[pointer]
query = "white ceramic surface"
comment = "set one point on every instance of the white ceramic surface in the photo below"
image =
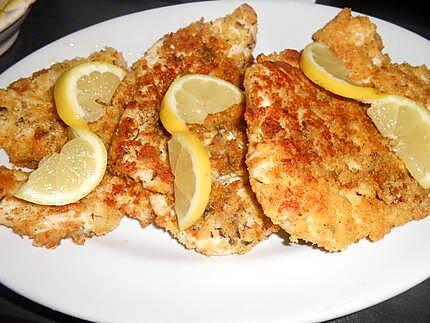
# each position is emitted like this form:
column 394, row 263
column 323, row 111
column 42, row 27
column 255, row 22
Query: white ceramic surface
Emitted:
column 135, row 275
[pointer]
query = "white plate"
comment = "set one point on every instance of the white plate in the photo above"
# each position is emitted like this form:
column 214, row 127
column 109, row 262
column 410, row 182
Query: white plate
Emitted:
column 133, row 275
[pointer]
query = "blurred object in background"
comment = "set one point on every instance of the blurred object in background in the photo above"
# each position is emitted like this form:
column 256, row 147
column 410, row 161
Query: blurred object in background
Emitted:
column 12, row 14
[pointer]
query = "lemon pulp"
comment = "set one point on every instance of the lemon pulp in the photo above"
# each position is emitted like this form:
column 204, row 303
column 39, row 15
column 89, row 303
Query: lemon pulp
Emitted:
column 192, row 97
column 190, row 165
column 81, row 92
column 407, row 124
column 322, row 67
column 66, row 177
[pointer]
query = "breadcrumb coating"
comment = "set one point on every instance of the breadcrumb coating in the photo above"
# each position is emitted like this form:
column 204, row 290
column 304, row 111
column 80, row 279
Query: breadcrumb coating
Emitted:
column 356, row 42
column 96, row 214
column 318, row 166
column 28, row 114
column 220, row 48
column 233, row 221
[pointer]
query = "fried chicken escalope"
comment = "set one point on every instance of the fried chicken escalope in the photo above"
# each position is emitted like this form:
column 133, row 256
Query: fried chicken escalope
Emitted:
column 233, row 222
column 319, row 167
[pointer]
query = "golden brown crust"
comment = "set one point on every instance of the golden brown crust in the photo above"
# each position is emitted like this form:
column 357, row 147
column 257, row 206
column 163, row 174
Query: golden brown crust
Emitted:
column 356, row 42
column 221, row 48
column 98, row 213
column 28, row 114
column 318, row 166
column 412, row 82
column 233, row 221
column 10, row 180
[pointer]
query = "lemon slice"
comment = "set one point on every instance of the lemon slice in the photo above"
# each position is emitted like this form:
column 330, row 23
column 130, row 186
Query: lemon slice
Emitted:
column 191, row 98
column 68, row 176
column 190, row 165
column 407, row 124
column 81, row 92
column 322, row 67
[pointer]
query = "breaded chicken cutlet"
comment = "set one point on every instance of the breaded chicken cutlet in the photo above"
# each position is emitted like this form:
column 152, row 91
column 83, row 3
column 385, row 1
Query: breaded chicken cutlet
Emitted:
column 318, row 166
column 29, row 117
column 28, row 114
column 96, row 214
column 220, row 48
column 355, row 41
column 233, row 221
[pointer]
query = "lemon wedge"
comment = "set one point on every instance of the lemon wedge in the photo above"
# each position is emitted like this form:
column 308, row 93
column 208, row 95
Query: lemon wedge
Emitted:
column 192, row 97
column 81, row 92
column 68, row 176
column 407, row 124
column 322, row 67
column 190, row 165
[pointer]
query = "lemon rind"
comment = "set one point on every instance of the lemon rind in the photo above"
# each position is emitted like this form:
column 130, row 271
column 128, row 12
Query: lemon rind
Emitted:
column 26, row 192
column 169, row 116
column 320, row 76
column 68, row 107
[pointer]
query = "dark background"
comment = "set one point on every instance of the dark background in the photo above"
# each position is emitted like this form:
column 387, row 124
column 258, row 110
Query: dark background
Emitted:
column 52, row 19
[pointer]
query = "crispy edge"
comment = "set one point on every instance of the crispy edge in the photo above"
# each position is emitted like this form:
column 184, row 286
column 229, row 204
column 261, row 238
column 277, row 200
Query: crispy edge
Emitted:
column 139, row 149
column 28, row 114
column 96, row 214
column 330, row 208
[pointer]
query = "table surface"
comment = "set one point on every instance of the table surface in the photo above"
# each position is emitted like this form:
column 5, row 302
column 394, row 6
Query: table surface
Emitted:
column 42, row 27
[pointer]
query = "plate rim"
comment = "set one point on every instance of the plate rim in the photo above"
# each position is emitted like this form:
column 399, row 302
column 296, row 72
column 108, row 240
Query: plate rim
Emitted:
column 10, row 69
